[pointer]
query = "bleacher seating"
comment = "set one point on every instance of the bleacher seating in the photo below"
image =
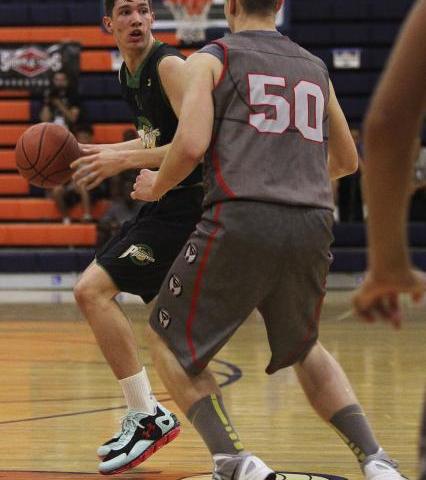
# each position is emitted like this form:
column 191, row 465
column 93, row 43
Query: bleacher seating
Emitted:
column 369, row 25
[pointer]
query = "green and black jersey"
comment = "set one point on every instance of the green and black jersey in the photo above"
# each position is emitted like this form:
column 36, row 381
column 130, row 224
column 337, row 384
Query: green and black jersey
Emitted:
column 155, row 121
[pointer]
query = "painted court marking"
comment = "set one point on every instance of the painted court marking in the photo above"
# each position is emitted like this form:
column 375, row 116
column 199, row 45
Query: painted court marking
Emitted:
column 146, row 475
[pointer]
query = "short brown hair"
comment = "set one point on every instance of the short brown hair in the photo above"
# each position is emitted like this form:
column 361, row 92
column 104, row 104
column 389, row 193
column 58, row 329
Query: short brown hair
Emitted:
column 260, row 7
column 109, row 5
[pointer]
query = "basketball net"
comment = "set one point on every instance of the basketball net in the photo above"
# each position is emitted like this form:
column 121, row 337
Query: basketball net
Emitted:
column 191, row 19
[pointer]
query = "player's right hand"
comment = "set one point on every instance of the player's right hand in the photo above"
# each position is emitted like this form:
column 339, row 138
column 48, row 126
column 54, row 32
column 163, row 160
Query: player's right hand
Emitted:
column 95, row 166
column 380, row 298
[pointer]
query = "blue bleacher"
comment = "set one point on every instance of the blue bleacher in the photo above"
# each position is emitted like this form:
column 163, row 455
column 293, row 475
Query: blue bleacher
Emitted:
column 95, row 111
column 50, row 12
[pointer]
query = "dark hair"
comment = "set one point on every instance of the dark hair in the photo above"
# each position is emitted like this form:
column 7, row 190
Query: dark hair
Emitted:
column 109, row 5
column 261, row 7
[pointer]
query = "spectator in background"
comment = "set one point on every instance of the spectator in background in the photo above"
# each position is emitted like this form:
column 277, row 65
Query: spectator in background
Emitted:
column 61, row 104
column 68, row 195
column 122, row 206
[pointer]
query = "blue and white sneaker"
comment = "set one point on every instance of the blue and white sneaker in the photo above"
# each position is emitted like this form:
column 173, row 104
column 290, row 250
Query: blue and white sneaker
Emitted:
column 141, row 436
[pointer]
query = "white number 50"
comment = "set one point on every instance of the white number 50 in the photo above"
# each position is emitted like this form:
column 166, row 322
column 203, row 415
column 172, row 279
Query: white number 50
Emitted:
column 310, row 127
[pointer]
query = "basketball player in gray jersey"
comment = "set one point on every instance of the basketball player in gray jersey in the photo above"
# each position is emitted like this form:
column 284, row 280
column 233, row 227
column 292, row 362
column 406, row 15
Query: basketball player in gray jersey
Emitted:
column 261, row 109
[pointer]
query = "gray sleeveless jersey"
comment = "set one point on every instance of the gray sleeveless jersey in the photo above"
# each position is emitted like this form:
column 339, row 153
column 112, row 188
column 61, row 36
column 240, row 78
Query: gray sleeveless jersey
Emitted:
column 270, row 132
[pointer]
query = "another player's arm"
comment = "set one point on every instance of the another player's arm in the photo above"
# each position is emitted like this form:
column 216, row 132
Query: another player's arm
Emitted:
column 103, row 161
column 342, row 153
column 193, row 134
column 392, row 123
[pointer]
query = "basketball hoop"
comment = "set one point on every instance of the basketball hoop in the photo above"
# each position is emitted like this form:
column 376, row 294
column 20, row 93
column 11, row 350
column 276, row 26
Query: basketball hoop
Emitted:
column 191, row 19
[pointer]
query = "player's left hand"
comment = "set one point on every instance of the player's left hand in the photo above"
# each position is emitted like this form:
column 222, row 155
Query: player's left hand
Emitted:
column 379, row 298
column 143, row 186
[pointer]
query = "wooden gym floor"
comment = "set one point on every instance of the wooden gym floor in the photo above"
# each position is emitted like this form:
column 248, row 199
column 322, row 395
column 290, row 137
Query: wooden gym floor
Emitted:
column 59, row 400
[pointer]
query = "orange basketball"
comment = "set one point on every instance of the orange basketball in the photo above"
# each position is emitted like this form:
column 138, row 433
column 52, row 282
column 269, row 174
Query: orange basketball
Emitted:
column 44, row 153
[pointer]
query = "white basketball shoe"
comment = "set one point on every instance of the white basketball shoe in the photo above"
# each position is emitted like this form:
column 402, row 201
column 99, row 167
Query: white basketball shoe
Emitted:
column 381, row 467
column 240, row 467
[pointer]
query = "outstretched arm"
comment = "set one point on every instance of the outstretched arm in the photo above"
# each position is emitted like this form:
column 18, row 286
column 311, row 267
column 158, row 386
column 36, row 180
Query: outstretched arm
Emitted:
column 392, row 123
column 102, row 161
column 99, row 164
column 193, row 134
column 342, row 153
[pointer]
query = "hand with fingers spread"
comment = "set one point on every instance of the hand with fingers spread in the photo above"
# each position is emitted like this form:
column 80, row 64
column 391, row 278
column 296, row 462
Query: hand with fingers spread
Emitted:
column 378, row 297
column 97, row 164
column 143, row 189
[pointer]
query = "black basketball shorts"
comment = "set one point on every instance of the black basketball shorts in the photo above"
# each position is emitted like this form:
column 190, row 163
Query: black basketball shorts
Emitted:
column 139, row 256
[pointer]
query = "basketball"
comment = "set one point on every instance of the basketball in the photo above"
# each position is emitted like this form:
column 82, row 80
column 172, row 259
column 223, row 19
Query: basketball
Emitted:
column 44, row 153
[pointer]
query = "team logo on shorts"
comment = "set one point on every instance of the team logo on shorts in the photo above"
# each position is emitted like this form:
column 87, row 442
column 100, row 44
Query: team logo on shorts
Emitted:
column 139, row 254
column 175, row 285
column 164, row 317
column 191, row 253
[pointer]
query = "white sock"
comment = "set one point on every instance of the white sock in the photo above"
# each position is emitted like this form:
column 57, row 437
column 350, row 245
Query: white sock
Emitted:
column 138, row 393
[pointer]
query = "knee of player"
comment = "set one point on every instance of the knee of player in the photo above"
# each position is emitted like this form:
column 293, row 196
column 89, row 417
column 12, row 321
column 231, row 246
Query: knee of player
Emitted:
column 84, row 291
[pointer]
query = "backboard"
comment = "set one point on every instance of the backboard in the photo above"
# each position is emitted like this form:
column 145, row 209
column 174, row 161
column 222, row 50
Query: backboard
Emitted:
column 216, row 22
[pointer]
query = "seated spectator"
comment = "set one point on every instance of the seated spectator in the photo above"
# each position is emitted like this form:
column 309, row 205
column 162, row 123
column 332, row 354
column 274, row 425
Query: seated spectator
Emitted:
column 68, row 195
column 122, row 206
column 61, row 103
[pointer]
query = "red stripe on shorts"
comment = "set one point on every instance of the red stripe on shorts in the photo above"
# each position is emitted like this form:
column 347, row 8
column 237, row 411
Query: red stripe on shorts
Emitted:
column 218, row 172
column 197, row 288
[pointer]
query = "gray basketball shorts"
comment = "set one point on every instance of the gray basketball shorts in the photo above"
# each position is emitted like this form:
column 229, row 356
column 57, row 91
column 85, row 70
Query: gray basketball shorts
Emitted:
column 245, row 255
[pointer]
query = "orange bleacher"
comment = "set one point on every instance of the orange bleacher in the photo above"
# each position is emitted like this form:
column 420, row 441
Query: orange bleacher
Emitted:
column 42, row 235
column 13, row 184
column 92, row 36
column 43, row 209
column 7, row 159
column 104, row 132
column 16, row 207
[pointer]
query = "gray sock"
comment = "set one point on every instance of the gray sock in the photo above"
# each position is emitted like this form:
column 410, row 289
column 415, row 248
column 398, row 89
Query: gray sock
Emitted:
column 211, row 421
column 352, row 425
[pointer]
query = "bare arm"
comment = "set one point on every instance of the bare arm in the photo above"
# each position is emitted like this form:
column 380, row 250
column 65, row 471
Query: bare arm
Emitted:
column 342, row 153
column 103, row 161
column 392, row 124
column 94, row 168
column 171, row 70
column 193, row 134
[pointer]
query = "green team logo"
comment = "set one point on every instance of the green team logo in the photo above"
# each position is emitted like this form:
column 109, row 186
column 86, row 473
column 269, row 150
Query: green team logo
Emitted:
column 143, row 123
column 147, row 133
column 139, row 254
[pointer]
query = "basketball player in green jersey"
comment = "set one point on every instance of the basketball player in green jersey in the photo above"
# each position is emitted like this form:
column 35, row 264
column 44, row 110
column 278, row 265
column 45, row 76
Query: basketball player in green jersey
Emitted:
column 137, row 259
column 391, row 127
